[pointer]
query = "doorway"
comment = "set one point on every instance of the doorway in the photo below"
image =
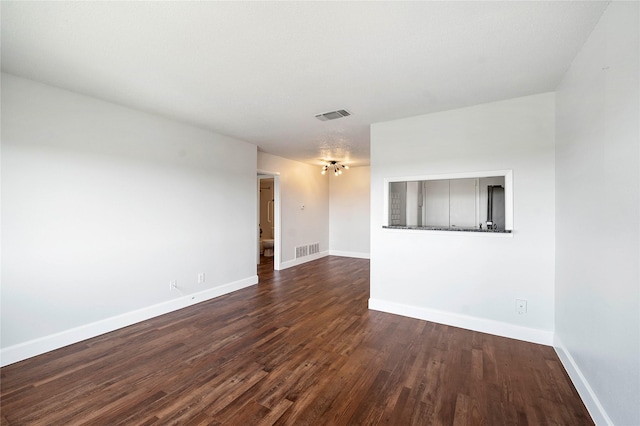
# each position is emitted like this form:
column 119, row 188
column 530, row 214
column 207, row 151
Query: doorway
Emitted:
column 268, row 243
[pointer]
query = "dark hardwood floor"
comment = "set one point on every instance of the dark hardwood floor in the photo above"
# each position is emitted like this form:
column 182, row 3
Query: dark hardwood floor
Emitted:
column 300, row 348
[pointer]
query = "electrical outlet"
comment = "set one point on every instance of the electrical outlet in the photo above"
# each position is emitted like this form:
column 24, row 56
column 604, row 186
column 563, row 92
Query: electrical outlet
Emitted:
column 200, row 277
column 521, row 306
column 173, row 285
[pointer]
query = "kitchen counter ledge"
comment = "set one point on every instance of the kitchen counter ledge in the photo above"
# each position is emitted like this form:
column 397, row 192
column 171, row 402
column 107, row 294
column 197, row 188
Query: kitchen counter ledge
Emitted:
column 452, row 229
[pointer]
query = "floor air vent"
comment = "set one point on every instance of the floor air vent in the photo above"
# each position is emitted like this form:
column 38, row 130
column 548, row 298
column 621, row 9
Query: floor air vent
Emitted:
column 314, row 248
column 301, row 251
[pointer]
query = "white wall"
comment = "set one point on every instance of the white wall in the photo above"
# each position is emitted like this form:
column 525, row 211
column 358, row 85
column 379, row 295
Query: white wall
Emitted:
column 597, row 218
column 300, row 185
column 349, row 215
column 102, row 206
column 470, row 279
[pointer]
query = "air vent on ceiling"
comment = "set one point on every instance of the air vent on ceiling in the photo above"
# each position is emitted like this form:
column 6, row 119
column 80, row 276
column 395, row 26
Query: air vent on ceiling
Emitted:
column 332, row 115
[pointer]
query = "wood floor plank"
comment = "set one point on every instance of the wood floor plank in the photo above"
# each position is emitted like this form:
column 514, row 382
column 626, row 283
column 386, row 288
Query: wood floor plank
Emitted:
column 299, row 348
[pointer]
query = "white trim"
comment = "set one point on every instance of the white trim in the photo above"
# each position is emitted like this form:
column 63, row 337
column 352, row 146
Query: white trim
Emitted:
column 44, row 344
column 483, row 325
column 267, row 172
column 277, row 218
column 349, row 254
column 304, row 259
column 258, row 207
column 589, row 398
column 277, row 214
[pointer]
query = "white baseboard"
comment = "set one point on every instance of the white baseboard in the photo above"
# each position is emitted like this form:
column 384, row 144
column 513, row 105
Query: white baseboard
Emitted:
column 41, row 345
column 483, row 325
column 355, row 254
column 304, row 259
column 589, row 398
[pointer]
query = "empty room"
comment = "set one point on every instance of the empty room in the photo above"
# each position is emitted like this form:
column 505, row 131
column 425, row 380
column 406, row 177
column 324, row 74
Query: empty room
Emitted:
column 333, row 212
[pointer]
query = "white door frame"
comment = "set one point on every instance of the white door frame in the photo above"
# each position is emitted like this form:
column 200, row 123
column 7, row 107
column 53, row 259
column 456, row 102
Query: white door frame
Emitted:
column 264, row 174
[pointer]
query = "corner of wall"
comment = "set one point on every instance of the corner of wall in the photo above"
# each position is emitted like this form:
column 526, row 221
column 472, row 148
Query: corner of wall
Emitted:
column 483, row 325
column 353, row 254
column 589, row 397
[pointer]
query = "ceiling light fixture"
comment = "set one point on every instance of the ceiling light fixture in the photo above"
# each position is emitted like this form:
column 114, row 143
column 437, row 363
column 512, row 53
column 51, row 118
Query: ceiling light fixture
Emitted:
column 335, row 167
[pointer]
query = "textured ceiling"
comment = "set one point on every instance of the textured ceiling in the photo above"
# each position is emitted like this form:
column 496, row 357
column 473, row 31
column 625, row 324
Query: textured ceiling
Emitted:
column 260, row 71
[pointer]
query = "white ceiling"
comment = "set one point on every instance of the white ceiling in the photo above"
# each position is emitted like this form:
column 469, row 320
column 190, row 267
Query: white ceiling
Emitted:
column 260, row 71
